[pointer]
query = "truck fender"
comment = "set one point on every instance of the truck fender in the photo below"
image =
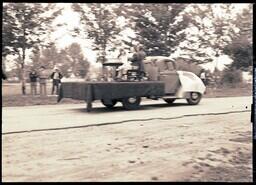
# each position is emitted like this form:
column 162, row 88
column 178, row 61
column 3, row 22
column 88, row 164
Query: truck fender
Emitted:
column 189, row 83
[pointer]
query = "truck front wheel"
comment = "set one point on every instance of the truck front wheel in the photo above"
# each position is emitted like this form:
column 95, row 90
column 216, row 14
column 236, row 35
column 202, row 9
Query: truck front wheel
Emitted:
column 194, row 98
column 131, row 103
column 109, row 103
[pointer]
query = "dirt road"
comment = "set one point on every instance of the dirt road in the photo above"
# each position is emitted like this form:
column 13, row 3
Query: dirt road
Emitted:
column 208, row 142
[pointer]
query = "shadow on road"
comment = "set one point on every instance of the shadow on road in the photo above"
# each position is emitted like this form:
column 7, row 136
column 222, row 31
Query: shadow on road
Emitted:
column 119, row 108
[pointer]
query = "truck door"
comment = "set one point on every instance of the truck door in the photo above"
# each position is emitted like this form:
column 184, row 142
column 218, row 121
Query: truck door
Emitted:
column 168, row 74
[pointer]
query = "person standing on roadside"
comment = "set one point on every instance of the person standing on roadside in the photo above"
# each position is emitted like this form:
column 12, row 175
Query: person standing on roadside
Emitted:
column 203, row 76
column 33, row 81
column 43, row 76
column 56, row 77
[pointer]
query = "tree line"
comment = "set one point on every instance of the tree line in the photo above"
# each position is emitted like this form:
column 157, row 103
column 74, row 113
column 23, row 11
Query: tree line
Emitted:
column 192, row 31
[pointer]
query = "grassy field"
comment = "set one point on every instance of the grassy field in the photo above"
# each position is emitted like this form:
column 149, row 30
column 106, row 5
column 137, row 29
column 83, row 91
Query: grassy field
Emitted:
column 240, row 90
column 9, row 89
column 11, row 95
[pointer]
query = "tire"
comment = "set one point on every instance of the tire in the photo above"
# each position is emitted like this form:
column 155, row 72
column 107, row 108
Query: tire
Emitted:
column 169, row 100
column 131, row 103
column 109, row 103
column 194, row 98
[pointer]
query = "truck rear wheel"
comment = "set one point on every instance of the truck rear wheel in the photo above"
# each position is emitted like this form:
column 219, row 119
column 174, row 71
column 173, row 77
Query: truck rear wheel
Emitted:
column 109, row 103
column 194, row 98
column 131, row 103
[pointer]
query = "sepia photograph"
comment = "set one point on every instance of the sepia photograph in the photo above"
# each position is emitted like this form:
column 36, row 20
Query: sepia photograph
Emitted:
column 127, row 92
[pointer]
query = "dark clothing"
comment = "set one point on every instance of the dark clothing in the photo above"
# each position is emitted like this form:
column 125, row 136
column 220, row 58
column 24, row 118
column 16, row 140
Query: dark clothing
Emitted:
column 59, row 76
column 33, row 76
column 204, row 81
column 141, row 55
column 137, row 60
column 55, row 84
column 33, row 82
column 33, row 86
column 56, row 80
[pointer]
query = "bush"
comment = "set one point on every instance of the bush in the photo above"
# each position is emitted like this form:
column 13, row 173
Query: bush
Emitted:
column 231, row 77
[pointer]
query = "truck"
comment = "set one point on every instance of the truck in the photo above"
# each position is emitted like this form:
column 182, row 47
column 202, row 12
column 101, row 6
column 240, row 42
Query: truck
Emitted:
column 162, row 81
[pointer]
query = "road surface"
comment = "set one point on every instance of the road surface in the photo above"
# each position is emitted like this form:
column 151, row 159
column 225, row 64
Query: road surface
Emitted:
column 19, row 119
column 208, row 142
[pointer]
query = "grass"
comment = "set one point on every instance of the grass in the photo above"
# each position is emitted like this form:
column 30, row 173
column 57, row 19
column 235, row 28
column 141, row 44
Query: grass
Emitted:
column 228, row 91
column 11, row 95
column 27, row 100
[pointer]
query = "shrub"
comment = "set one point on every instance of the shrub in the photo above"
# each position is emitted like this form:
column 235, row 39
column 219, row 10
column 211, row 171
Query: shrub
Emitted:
column 231, row 77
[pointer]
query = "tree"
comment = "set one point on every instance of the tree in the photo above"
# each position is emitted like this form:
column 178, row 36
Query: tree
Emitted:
column 28, row 24
column 231, row 76
column 211, row 28
column 240, row 49
column 64, row 62
column 244, row 22
column 99, row 25
column 241, row 53
column 48, row 57
column 69, row 59
column 8, row 29
column 78, row 63
column 157, row 26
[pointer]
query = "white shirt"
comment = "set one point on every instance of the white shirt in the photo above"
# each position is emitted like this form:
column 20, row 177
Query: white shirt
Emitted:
column 56, row 75
column 202, row 76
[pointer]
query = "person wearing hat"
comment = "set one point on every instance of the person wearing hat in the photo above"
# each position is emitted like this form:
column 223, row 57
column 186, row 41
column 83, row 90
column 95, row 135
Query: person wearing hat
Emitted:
column 56, row 77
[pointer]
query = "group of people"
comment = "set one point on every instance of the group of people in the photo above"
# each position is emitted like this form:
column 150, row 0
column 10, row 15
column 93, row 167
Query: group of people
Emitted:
column 42, row 75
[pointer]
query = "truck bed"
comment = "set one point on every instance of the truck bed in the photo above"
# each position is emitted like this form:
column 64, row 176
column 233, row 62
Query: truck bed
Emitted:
column 90, row 91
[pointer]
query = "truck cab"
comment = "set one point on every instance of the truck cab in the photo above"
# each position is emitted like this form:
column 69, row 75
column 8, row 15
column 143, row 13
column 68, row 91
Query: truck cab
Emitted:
column 178, row 84
column 163, row 69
